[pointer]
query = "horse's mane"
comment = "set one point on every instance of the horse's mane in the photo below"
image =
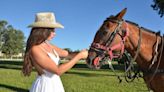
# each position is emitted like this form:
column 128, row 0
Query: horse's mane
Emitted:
column 143, row 28
column 113, row 18
column 132, row 23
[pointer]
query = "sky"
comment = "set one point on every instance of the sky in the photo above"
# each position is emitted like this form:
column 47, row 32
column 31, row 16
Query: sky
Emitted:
column 81, row 18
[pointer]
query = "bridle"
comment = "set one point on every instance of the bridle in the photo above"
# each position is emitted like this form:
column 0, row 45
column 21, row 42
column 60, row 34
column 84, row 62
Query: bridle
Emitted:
column 106, row 49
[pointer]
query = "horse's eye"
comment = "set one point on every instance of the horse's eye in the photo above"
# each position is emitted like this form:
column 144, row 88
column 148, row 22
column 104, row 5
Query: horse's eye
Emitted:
column 108, row 25
column 104, row 32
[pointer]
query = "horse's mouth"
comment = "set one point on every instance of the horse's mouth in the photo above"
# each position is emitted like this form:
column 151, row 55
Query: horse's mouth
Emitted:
column 94, row 63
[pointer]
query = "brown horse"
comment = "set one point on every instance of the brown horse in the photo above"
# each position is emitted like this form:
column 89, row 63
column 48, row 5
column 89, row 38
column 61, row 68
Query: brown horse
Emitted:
column 146, row 47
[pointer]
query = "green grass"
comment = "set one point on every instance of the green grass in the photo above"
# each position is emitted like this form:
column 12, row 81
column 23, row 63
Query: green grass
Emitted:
column 78, row 79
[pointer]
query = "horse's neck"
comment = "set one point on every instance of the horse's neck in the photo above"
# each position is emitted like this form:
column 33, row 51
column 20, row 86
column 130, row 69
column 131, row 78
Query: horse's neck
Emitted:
column 148, row 40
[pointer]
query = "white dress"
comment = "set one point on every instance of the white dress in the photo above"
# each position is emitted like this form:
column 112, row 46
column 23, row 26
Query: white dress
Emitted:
column 48, row 82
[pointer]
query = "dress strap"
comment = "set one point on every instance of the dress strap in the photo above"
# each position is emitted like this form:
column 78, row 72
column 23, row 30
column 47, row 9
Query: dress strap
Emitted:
column 56, row 53
column 53, row 53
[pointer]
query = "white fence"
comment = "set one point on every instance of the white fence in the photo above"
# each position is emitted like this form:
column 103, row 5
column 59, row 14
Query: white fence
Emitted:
column 8, row 59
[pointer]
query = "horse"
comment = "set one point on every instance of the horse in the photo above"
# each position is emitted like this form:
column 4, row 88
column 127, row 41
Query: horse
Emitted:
column 145, row 46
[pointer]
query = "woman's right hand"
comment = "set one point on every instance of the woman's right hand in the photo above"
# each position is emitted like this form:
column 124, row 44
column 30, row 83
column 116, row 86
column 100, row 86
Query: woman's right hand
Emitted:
column 83, row 54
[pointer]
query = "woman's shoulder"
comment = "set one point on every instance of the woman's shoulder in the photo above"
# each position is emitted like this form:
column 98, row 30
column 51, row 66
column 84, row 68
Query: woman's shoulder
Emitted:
column 36, row 50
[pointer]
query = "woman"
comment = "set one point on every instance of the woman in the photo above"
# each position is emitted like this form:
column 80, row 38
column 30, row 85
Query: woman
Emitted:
column 44, row 57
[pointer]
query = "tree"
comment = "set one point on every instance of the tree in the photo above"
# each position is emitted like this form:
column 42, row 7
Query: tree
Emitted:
column 13, row 41
column 77, row 51
column 3, row 25
column 158, row 6
column 68, row 49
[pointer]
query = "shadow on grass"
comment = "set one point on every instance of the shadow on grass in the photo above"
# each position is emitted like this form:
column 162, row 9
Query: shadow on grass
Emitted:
column 116, row 66
column 17, row 65
column 90, row 74
column 16, row 89
column 10, row 67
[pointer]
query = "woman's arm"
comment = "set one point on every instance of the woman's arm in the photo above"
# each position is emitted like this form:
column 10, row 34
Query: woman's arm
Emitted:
column 71, row 55
column 65, row 53
column 61, row 52
column 43, row 60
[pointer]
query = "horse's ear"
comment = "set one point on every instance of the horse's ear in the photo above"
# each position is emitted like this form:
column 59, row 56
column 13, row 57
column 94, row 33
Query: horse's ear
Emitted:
column 121, row 14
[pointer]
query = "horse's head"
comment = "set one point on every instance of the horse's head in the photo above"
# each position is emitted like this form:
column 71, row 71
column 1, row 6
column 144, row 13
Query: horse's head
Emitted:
column 105, row 41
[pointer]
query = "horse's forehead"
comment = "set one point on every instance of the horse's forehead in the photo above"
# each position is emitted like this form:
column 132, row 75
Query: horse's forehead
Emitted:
column 108, row 25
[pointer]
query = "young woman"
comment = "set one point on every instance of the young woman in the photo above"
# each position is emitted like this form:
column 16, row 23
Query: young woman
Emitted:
column 44, row 57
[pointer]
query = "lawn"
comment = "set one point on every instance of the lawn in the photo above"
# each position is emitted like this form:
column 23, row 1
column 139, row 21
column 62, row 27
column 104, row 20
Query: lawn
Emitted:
column 78, row 79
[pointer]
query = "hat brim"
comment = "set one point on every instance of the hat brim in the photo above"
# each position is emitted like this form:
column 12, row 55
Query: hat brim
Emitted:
column 46, row 25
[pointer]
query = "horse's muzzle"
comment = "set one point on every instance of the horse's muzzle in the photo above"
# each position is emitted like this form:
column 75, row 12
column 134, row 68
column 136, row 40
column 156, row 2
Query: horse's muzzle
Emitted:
column 93, row 63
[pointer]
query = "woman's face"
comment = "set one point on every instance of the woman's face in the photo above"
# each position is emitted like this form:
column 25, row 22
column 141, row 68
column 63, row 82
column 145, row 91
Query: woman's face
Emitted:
column 52, row 35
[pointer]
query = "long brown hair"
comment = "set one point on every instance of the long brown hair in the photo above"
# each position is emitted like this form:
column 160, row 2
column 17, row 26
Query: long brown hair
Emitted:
column 36, row 37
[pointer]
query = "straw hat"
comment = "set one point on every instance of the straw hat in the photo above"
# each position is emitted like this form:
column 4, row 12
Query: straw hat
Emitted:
column 46, row 20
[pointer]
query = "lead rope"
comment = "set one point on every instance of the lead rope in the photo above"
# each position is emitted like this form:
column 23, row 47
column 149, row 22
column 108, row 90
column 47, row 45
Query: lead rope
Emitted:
column 138, row 49
column 111, row 67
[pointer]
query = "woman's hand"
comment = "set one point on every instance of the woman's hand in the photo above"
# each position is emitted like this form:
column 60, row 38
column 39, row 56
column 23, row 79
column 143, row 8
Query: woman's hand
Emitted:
column 83, row 54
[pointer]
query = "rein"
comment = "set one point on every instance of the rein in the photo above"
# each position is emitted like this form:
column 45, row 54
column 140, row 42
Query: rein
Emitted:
column 137, row 52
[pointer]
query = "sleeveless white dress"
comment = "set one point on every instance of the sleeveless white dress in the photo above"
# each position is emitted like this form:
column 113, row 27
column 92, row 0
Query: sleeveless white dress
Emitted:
column 48, row 82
